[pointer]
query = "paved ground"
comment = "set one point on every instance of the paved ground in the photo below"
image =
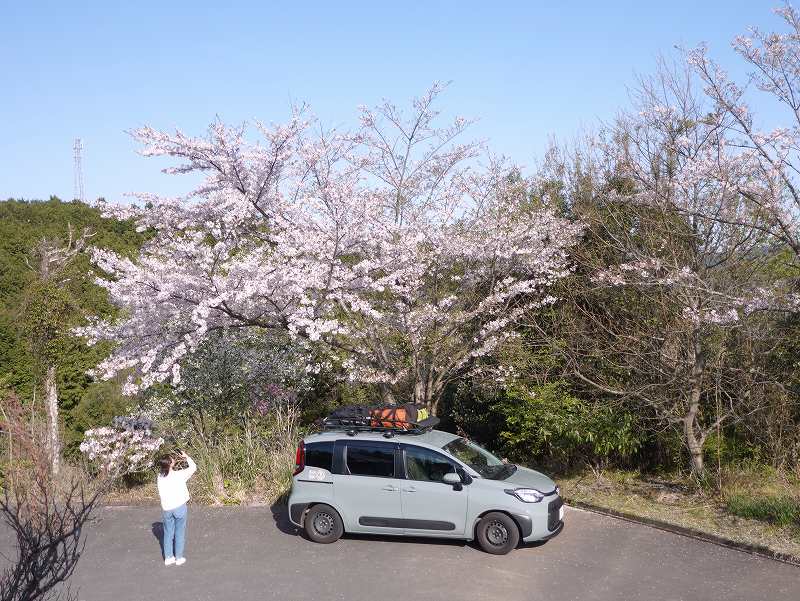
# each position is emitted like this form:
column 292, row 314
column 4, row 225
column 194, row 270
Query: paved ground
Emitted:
column 254, row 554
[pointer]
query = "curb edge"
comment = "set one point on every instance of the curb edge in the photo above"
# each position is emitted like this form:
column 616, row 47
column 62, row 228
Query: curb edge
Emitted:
column 722, row 541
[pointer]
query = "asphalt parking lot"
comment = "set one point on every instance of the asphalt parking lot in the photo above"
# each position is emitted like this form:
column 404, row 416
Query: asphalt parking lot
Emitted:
column 255, row 554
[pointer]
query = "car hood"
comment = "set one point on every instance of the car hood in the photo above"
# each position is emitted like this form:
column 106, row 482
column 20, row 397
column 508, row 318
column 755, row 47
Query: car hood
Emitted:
column 526, row 478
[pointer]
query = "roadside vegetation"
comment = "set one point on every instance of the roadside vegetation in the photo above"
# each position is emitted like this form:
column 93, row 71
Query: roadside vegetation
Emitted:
column 752, row 505
column 626, row 318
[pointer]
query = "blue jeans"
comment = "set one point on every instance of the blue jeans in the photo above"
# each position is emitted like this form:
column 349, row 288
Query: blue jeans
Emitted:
column 175, row 527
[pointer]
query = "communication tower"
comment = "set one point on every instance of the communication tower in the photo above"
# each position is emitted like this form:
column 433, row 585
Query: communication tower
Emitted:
column 78, row 193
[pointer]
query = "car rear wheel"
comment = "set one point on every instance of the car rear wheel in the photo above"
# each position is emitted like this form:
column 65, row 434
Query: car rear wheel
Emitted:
column 323, row 524
column 497, row 533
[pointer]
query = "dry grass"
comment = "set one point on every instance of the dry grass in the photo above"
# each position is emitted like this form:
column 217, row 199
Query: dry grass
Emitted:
column 682, row 502
column 247, row 466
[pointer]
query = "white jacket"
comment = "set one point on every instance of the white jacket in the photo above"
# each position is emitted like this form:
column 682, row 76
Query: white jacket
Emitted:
column 172, row 487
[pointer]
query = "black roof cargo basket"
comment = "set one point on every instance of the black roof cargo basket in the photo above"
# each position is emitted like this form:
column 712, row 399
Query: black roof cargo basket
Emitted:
column 389, row 427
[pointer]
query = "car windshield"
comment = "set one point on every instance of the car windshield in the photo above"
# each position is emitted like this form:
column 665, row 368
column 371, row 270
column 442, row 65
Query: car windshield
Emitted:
column 479, row 459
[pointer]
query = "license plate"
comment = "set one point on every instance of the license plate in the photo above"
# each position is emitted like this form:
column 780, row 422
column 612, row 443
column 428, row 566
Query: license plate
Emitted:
column 560, row 513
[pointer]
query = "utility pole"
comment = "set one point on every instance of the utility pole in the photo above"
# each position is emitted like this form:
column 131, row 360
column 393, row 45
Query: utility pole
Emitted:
column 78, row 192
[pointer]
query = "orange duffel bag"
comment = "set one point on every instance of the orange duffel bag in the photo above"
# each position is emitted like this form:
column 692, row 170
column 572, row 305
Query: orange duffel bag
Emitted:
column 403, row 417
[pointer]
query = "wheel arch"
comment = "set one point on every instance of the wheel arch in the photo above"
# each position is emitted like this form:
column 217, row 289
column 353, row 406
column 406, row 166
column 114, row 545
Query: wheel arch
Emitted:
column 309, row 505
column 523, row 523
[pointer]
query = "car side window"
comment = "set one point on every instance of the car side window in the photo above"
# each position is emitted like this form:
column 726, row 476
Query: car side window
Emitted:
column 427, row 466
column 371, row 460
column 320, row 454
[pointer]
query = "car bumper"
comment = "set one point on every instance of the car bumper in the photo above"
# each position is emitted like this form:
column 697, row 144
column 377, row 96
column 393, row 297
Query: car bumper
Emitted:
column 555, row 532
column 546, row 520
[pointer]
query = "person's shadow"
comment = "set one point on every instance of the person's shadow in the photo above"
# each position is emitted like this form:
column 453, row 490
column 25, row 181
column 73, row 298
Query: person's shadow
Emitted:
column 158, row 531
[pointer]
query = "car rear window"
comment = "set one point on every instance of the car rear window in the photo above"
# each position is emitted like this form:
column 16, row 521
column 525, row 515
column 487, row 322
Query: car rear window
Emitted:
column 320, row 454
column 371, row 460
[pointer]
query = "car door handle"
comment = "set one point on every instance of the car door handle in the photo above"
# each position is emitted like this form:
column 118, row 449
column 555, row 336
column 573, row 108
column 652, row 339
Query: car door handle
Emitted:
column 410, row 489
column 390, row 488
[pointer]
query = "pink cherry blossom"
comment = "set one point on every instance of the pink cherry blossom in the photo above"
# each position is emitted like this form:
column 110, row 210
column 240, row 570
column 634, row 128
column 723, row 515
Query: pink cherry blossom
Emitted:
column 396, row 247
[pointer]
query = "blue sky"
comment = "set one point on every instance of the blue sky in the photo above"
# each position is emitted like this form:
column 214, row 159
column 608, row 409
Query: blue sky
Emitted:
column 526, row 70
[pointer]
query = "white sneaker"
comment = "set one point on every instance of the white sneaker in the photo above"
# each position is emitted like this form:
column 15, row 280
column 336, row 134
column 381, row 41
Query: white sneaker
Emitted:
column 169, row 561
column 180, row 561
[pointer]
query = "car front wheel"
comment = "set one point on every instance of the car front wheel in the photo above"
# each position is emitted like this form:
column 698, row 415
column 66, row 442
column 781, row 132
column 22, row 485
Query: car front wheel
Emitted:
column 323, row 524
column 497, row 533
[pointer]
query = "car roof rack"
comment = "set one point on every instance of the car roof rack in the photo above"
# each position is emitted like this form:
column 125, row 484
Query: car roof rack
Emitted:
column 353, row 425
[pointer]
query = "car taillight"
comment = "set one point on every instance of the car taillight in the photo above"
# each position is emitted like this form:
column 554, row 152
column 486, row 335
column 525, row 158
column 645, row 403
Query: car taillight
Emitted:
column 300, row 458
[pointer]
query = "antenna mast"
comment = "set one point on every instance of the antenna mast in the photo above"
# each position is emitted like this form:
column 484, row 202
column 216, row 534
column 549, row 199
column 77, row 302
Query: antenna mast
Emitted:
column 78, row 192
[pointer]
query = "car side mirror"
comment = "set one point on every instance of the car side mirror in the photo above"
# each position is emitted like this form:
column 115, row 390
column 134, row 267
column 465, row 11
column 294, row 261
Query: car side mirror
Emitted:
column 453, row 480
column 465, row 477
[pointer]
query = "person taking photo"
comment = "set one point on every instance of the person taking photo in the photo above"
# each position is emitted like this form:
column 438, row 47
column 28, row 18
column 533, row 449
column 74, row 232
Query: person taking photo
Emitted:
column 174, row 495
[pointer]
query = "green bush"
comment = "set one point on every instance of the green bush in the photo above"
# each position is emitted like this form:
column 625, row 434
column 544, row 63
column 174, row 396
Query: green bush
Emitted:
column 98, row 405
column 733, row 449
column 468, row 407
column 548, row 422
column 779, row 510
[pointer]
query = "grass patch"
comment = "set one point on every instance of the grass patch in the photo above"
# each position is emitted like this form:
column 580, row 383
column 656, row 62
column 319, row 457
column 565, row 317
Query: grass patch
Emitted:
column 752, row 506
column 782, row 511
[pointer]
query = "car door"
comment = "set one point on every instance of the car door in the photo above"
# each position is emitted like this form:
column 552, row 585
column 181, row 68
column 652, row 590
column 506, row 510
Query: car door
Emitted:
column 367, row 490
column 431, row 507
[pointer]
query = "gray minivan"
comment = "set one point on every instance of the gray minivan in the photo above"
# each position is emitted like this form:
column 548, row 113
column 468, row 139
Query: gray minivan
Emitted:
column 430, row 483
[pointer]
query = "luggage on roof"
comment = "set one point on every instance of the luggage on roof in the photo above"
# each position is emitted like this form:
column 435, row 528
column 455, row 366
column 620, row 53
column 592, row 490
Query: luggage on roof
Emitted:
column 407, row 418
column 400, row 416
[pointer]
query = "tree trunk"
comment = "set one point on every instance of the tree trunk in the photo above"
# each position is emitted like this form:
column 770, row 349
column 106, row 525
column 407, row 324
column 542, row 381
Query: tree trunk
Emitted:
column 694, row 439
column 51, row 403
column 431, row 401
column 695, row 444
column 387, row 397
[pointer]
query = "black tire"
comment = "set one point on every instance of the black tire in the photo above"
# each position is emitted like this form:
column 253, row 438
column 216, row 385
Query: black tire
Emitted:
column 497, row 533
column 323, row 524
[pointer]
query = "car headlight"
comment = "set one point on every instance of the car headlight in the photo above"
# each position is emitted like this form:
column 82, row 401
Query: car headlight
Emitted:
column 526, row 495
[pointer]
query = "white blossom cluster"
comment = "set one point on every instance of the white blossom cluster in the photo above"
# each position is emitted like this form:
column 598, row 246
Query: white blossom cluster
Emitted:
column 118, row 450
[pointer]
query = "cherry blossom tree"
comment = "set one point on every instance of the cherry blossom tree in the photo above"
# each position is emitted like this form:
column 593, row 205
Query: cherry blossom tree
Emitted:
column 403, row 252
column 762, row 164
column 676, row 267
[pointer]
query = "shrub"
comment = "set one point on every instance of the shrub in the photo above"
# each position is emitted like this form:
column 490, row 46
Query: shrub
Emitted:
column 252, row 458
column 547, row 421
column 98, row 405
column 732, row 449
column 779, row 510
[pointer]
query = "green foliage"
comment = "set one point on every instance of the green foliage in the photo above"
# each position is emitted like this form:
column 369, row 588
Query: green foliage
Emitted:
column 36, row 316
column 99, row 403
column 47, row 314
column 732, row 449
column 548, row 421
column 779, row 510
column 563, row 422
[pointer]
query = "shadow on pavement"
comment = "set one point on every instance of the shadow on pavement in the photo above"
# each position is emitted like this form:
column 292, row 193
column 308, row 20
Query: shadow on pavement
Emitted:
column 280, row 513
column 420, row 540
column 157, row 529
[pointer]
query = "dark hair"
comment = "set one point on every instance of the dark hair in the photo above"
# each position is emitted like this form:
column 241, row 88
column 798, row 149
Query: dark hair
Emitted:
column 164, row 465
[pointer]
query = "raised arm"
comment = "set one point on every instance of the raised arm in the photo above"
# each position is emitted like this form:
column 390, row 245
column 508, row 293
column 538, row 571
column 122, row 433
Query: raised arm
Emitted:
column 189, row 471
